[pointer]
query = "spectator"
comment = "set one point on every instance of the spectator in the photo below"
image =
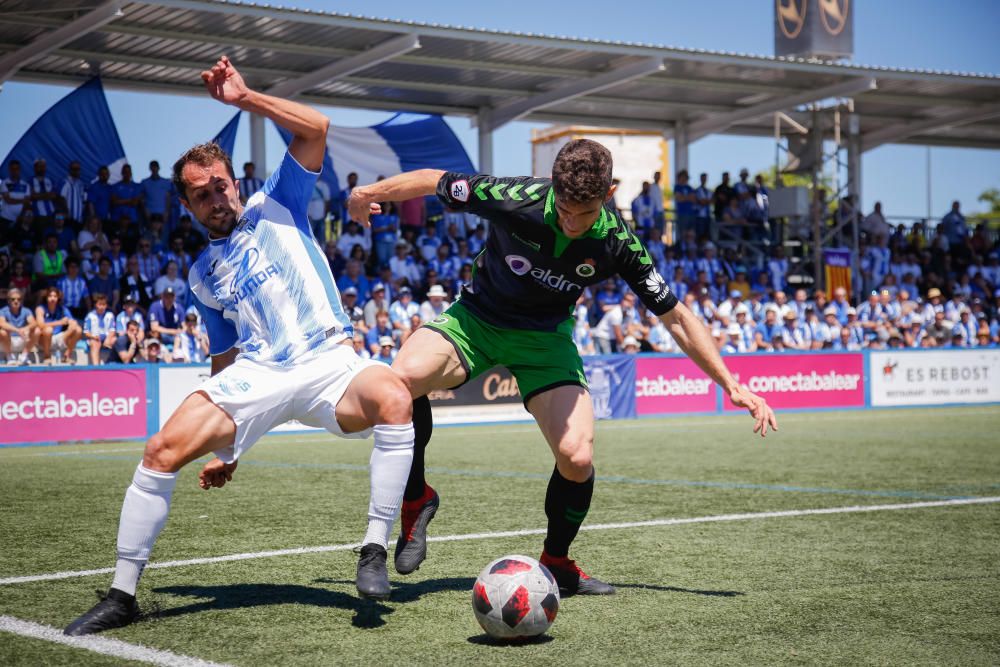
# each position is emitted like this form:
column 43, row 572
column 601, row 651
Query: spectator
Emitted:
column 703, row 208
column 128, row 344
column 171, row 279
column 178, row 255
column 349, row 299
column 157, row 193
column 149, row 261
column 630, row 345
column 656, row 192
column 427, row 243
column 403, row 266
column 955, row 228
column 15, row 193
column 99, row 329
column 345, row 194
column 444, row 264
column 104, row 282
column 477, row 241
column 117, row 257
column 249, row 184
column 386, row 351
column 92, row 236
column 66, row 237
column 435, row 304
column 875, row 224
column 43, row 194
column 412, row 214
column 385, row 231
column 192, row 345
column 845, row 341
column 381, row 328
column 401, row 311
column 351, row 237
column 130, row 313
column 135, row 285
column 657, row 336
column 49, row 263
column 99, row 195
column 359, row 346
column 74, row 289
column 57, row 330
column 18, row 329
column 644, row 210
column 734, row 340
column 685, row 203
column 777, row 268
column 768, row 330
column 610, row 332
column 154, row 352
column 794, row 336
column 165, row 317
column 722, row 196
column 126, row 197
column 376, row 304
column 354, row 277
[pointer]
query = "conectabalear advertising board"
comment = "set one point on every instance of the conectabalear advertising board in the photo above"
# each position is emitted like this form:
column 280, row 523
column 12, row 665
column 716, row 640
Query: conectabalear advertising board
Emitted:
column 72, row 405
column 791, row 381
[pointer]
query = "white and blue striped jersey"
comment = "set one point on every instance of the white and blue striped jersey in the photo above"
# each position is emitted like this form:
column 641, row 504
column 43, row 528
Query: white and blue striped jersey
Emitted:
column 267, row 287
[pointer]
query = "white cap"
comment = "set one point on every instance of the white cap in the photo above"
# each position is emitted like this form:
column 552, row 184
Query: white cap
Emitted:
column 386, row 340
column 630, row 340
column 436, row 290
column 734, row 330
column 742, row 308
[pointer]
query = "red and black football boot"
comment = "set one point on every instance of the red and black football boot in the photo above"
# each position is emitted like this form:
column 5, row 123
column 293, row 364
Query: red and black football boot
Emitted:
column 572, row 580
column 411, row 547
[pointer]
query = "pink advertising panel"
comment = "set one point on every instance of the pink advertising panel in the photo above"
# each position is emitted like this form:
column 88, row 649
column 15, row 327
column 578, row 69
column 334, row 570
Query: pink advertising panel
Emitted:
column 671, row 386
column 72, row 405
column 802, row 380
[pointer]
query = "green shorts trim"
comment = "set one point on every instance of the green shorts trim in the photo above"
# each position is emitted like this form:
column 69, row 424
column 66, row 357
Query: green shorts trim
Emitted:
column 538, row 360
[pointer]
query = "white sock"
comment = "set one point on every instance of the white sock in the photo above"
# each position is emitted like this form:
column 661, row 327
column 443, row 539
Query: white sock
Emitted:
column 144, row 514
column 389, row 468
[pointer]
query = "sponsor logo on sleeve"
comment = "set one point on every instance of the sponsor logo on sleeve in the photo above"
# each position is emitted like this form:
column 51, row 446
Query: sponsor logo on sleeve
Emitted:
column 657, row 286
column 460, row 190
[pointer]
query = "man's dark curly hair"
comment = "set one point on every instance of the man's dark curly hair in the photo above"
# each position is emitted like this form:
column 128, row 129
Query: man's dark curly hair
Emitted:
column 582, row 171
column 203, row 155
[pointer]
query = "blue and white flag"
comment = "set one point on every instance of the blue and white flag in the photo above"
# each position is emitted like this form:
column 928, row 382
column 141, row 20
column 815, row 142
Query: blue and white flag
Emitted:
column 226, row 138
column 77, row 127
column 405, row 142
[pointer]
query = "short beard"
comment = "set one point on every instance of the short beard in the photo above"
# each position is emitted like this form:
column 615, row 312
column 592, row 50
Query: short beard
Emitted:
column 222, row 228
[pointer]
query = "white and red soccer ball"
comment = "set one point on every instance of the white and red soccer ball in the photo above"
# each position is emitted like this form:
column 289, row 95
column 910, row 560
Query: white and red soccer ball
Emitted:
column 515, row 597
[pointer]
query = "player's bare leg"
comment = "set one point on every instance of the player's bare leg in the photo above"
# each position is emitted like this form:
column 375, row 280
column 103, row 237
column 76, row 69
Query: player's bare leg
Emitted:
column 426, row 362
column 377, row 397
column 566, row 417
column 196, row 428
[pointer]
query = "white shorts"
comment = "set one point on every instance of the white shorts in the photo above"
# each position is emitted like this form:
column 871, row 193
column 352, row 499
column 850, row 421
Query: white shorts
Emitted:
column 16, row 344
column 59, row 340
column 259, row 397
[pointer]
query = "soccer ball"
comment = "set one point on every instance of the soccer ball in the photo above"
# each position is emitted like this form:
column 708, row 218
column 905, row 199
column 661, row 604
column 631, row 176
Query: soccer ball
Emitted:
column 515, row 597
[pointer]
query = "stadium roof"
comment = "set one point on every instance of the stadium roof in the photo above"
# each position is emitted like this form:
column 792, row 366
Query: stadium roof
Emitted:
column 344, row 60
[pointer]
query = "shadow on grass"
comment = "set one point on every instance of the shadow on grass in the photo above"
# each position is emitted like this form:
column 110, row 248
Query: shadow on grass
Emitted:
column 676, row 589
column 485, row 640
column 367, row 613
column 403, row 591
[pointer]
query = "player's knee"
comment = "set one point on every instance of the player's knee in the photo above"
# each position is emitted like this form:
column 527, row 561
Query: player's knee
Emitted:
column 395, row 406
column 160, row 456
column 577, row 453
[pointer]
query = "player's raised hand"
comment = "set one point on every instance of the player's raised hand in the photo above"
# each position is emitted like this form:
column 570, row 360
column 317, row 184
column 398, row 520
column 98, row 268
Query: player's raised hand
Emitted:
column 224, row 82
column 359, row 209
column 761, row 412
column 215, row 474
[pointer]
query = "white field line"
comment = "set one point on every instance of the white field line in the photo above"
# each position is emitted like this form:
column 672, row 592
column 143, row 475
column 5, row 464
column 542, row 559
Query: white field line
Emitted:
column 519, row 533
column 102, row 645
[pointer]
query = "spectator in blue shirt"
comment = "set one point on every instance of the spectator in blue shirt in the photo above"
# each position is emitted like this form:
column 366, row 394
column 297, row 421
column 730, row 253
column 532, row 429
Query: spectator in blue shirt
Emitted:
column 66, row 237
column 644, row 209
column 15, row 196
column 955, row 227
column 73, row 193
column 385, row 229
column 99, row 195
column 130, row 313
column 685, row 202
column 156, row 192
column 56, row 326
column 249, row 184
column 75, row 293
column 703, row 207
column 382, row 329
column 355, row 277
column 99, row 329
column 126, row 197
column 165, row 317
column 104, row 282
column 18, row 333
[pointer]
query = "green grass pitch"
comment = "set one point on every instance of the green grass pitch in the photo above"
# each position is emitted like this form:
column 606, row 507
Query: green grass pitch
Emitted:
column 905, row 586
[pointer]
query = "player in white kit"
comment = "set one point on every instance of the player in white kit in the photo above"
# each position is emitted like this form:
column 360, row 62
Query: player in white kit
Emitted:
column 280, row 345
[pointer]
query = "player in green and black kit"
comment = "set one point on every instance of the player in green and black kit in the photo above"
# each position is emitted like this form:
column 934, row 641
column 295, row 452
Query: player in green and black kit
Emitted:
column 548, row 240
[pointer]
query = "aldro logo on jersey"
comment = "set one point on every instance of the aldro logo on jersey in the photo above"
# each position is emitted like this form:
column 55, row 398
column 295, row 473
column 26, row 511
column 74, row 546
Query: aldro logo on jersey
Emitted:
column 246, row 281
column 520, row 266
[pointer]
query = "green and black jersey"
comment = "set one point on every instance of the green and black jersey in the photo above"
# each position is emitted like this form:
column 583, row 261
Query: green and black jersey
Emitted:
column 530, row 274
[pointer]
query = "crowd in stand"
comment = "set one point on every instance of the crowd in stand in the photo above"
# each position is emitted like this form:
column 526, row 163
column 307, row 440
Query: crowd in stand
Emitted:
column 97, row 273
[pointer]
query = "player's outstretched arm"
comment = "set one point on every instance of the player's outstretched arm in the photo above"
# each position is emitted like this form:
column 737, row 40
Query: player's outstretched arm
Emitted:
column 307, row 125
column 693, row 338
column 365, row 199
